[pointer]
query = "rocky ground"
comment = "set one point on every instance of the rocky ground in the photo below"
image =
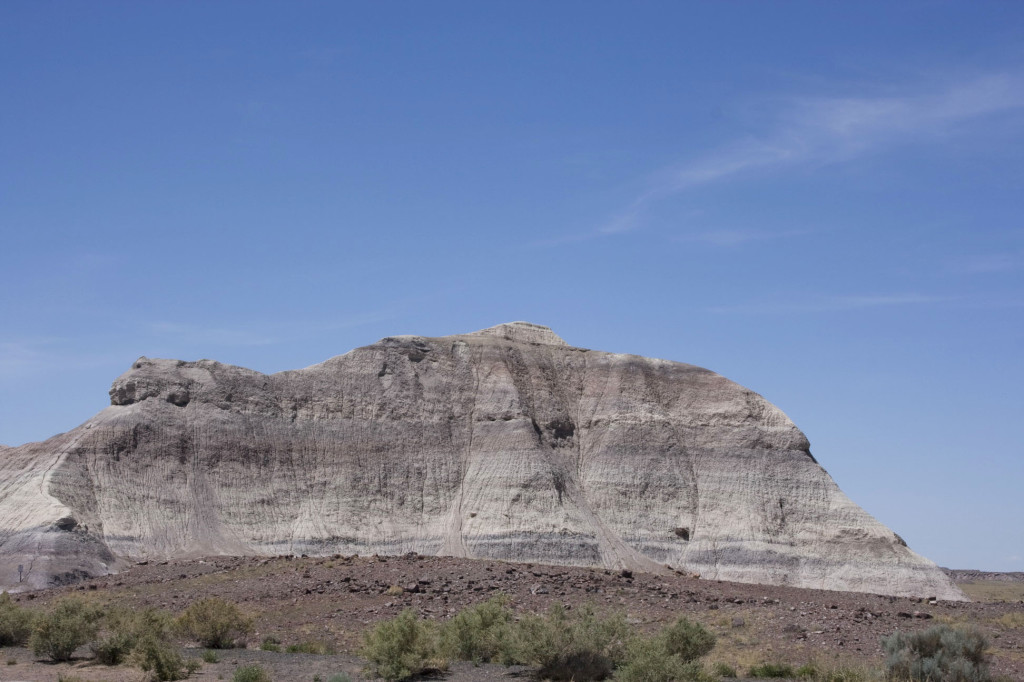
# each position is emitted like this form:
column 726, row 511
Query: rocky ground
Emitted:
column 334, row 600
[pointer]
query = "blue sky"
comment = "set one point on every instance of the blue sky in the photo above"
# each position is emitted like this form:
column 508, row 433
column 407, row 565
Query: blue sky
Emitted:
column 821, row 201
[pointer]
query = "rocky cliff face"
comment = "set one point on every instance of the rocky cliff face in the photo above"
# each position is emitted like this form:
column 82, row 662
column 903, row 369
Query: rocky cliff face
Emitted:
column 506, row 443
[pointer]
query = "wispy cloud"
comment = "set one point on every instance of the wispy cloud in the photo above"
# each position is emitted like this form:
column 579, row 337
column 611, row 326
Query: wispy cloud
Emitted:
column 813, row 131
column 272, row 334
column 735, row 237
column 826, row 304
column 822, row 130
column 208, row 336
column 21, row 356
column 817, row 131
column 986, row 263
column 25, row 357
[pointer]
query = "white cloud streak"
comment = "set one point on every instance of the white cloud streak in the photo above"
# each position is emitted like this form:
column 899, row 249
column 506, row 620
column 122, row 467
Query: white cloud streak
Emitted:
column 33, row 356
column 817, row 131
column 988, row 263
column 207, row 336
column 822, row 130
column 829, row 304
column 809, row 131
column 727, row 237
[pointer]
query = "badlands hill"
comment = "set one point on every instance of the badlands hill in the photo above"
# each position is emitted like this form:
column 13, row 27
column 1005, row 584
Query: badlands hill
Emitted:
column 505, row 443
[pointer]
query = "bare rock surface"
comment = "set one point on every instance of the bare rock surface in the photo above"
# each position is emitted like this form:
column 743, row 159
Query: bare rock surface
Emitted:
column 503, row 444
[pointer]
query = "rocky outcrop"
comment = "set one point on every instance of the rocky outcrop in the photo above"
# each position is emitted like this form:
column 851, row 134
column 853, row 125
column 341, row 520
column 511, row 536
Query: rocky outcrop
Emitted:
column 505, row 443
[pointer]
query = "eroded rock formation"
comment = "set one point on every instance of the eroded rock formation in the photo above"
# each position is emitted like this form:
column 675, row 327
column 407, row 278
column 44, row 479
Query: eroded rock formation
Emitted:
column 505, row 443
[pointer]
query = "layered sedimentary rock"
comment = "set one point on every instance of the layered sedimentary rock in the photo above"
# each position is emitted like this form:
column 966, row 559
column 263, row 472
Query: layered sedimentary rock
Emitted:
column 505, row 443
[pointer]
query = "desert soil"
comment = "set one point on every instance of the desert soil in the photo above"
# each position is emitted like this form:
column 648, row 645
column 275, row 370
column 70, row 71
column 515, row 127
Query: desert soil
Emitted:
column 336, row 599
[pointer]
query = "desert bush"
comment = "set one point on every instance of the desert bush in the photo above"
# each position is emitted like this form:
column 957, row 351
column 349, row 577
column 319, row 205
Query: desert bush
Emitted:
column 939, row 654
column 210, row 656
column 310, row 647
column 669, row 655
column 270, row 644
column 70, row 623
column 144, row 638
column 647, row 660
column 808, row 671
column 113, row 648
column 153, row 650
column 214, row 623
column 161, row 660
column 772, row 671
column 400, row 648
column 251, row 673
column 723, row 670
column 15, row 622
column 689, row 641
column 580, row 647
column 480, row 633
column 119, row 636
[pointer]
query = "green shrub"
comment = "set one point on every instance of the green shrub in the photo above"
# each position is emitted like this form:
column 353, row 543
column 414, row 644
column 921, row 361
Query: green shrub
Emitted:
column 119, row 637
column 647, row 660
column 15, row 622
column 480, row 633
column 210, row 656
column 311, row 647
column 270, row 644
column 723, row 670
column 807, row 671
column 251, row 673
column 69, row 624
column 399, row 648
column 154, row 651
column 580, row 647
column 669, row 655
column 161, row 659
column 113, row 649
column 144, row 637
column 214, row 623
column 938, row 654
column 772, row 670
column 689, row 641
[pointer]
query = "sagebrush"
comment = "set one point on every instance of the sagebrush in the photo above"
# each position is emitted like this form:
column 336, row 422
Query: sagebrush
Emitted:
column 772, row 671
column 251, row 673
column 399, row 648
column 69, row 624
column 577, row 645
column 15, row 622
column 214, row 623
column 153, row 650
column 480, row 633
column 668, row 656
column 939, row 654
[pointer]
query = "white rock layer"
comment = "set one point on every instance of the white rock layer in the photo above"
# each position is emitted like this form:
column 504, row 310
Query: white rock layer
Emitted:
column 505, row 443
